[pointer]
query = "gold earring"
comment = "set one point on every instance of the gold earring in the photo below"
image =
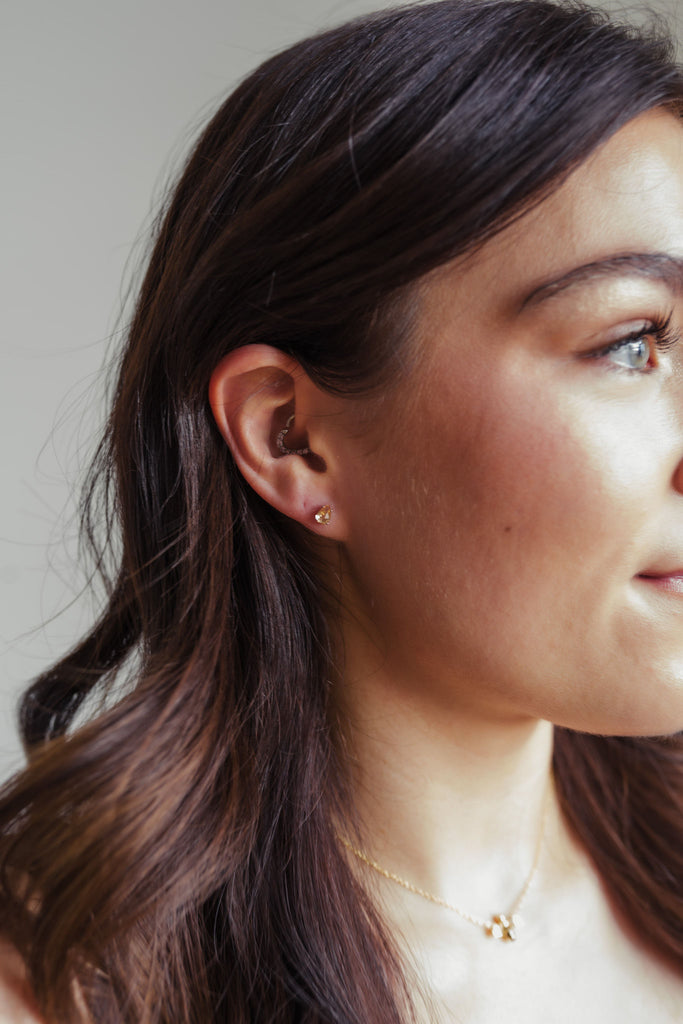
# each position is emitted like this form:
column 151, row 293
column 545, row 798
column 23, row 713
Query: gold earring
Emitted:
column 323, row 515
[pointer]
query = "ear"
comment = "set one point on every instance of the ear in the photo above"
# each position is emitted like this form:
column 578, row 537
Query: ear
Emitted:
column 255, row 392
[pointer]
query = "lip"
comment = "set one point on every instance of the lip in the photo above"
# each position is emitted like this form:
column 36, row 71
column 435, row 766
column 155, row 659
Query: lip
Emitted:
column 671, row 582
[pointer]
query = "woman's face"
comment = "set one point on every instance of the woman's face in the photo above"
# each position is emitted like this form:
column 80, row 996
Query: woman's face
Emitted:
column 516, row 513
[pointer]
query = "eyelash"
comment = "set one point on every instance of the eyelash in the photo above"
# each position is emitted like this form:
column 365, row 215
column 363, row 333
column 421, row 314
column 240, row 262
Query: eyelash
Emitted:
column 664, row 335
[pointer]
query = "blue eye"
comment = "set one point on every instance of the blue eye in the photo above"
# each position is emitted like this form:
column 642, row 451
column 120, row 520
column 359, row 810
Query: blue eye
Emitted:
column 637, row 352
column 632, row 354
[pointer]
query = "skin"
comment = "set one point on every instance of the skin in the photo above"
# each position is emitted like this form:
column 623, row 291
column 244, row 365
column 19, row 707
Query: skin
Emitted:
column 16, row 1005
column 501, row 513
column 513, row 558
column 507, row 543
column 507, row 546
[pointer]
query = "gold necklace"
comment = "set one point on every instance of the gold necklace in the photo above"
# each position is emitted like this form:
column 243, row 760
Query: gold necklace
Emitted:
column 498, row 926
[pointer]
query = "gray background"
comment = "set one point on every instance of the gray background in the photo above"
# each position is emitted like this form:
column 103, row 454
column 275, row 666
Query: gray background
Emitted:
column 99, row 102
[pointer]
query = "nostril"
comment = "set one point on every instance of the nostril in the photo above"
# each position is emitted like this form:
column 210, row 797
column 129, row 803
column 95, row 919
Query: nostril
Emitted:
column 678, row 477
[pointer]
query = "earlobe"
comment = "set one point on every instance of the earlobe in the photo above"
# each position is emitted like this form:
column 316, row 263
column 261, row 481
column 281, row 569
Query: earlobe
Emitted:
column 272, row 416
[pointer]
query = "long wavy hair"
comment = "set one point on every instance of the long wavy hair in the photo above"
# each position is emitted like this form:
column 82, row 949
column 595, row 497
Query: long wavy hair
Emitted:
column 169, row 853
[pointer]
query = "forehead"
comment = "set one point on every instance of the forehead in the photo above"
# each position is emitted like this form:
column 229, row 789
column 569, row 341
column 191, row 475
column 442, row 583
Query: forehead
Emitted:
column 626, row 198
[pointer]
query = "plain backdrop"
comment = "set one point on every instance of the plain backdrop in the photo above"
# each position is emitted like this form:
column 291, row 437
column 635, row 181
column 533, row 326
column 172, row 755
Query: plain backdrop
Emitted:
column 99, row 102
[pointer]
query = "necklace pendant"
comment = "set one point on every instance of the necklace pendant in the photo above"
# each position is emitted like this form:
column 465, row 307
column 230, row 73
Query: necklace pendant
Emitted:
column 502, row 927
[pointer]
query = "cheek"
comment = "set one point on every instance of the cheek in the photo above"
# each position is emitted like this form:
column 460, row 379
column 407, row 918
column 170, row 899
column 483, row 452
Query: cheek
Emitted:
column 548, row 473
column 495, row 544
column 512, row 528
column 530, row 491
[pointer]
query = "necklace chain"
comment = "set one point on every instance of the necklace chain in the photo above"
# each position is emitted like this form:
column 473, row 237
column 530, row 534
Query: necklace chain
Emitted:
column 499, row 926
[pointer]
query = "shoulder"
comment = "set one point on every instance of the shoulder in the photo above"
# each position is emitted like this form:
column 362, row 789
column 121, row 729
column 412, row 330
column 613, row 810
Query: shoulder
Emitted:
column 16, row 1004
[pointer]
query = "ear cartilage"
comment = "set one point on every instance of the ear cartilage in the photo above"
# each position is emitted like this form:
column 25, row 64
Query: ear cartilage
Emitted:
column 280, row 441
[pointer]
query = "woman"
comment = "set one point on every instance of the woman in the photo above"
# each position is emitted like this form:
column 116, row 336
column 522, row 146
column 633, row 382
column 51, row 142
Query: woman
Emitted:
column 391, row 499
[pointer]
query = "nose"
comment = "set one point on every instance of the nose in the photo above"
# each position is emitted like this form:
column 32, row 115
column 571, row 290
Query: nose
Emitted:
column 677, row 423
column 678, row 476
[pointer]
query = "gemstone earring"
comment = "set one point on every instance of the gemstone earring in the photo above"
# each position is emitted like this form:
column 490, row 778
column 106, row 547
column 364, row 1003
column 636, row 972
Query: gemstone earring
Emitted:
column 280, row 441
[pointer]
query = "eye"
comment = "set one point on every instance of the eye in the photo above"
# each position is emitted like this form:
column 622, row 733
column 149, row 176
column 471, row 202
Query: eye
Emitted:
column 638, row 350
column 632, row 354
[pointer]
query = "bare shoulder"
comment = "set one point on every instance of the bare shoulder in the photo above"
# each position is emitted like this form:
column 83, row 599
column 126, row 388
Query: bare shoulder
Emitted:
column 16, row 1004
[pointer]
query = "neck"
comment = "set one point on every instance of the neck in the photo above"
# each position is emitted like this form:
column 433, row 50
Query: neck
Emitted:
column 449, row 800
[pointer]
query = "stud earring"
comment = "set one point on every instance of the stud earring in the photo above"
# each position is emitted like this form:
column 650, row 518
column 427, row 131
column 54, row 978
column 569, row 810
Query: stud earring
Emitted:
column 323, row 515
column 280, row 441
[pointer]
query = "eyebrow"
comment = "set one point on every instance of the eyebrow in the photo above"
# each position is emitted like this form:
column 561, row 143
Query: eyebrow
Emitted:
column 654, row 266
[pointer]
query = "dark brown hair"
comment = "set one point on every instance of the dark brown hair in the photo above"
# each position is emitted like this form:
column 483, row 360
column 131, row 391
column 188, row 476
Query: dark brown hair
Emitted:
column 173, row 851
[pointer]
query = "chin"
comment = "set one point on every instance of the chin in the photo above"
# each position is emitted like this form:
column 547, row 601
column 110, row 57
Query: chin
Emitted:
column 654, row 721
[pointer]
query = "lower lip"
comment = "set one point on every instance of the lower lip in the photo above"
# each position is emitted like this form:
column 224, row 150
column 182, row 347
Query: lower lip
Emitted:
column 669, row 584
